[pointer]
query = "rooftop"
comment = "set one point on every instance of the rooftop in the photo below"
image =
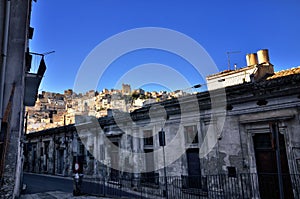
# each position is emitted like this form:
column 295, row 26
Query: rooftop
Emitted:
column 284, row 73
column 228, row 72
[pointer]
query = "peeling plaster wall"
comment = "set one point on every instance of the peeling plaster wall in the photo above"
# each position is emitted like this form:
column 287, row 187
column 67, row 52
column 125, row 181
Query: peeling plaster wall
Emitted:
column 234, row 147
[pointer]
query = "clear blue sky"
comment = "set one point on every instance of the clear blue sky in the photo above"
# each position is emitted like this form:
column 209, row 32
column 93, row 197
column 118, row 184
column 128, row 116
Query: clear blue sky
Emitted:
column 74, row 28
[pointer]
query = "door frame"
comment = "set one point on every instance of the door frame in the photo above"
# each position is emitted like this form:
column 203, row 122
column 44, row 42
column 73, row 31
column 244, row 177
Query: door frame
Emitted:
column 251, row 130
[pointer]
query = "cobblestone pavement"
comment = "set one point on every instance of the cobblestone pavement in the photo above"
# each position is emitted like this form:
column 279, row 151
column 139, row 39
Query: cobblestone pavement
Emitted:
column 57, row 195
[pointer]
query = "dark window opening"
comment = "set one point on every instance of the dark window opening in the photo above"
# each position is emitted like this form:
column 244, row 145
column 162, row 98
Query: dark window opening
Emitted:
column 191, row 134
column 148, row 138
column 90, row 152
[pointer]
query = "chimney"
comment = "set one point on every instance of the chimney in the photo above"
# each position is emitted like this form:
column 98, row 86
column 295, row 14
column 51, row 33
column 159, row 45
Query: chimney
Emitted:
column 251, row 59
column 263, row 56
column 264, row 68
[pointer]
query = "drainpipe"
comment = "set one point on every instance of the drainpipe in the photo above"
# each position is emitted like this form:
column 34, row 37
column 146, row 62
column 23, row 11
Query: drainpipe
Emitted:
column 4, row 55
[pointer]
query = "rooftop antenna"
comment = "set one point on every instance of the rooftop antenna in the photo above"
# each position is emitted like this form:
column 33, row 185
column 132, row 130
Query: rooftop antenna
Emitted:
column 228, row 56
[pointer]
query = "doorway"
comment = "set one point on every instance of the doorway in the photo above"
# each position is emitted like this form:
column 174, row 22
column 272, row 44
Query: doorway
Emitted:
column 272, row 164
column 194, row 173
column 60, row 165
column 149, row 176
column 114, row 155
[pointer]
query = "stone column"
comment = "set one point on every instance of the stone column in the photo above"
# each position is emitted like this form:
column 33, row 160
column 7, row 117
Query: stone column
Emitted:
column 38, row 156
column 136, row 162
column 102, row 155
column 50, row 159
column 70, row 157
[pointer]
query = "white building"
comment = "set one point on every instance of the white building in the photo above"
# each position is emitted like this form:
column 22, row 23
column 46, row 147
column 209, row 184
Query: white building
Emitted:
column 258, row 67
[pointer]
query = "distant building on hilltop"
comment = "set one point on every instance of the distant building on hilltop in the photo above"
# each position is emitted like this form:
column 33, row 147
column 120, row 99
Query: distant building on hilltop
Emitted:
column 126, row 89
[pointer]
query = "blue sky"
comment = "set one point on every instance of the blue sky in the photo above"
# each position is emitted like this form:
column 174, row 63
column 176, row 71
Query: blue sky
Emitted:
column 74, row 28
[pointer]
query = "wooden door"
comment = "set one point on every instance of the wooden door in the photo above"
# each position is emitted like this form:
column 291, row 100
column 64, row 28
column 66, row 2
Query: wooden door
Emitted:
column 60, row 168
column 267, row 167
column 149, row 176
column 114, row 171
column 194, row 173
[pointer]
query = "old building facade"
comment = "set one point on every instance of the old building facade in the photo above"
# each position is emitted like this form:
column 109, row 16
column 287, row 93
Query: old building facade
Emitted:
column 18, row 88
column 248, row 129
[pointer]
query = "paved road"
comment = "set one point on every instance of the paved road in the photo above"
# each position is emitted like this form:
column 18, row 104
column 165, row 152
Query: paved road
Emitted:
column 57, row 195
column 47, row 186
column 43, row 183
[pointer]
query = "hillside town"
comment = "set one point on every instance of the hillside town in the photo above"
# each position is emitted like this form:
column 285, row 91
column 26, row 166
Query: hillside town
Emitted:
column 55, row 109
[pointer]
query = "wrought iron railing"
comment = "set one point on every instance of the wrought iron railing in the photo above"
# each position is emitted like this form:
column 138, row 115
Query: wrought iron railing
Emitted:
column 240, row 186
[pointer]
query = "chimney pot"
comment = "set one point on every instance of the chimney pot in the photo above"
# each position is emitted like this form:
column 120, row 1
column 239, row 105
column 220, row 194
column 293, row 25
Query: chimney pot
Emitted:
column 251, row 59
column 263, row 56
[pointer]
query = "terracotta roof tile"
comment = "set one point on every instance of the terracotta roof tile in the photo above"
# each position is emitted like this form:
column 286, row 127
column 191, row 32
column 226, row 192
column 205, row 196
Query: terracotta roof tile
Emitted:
column 283, row 73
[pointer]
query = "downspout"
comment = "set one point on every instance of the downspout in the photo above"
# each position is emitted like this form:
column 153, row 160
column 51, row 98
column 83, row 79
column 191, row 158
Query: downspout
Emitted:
column 4, row 55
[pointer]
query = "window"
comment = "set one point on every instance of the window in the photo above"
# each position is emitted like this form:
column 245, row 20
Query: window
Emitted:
column 148, row 138
column 90, row 152
column 46, row 150
column 81, row 149
column 41, row 151
column 191, row 134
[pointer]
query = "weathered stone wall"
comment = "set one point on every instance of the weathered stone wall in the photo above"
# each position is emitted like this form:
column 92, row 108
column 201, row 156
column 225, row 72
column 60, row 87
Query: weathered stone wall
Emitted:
column 13, row 93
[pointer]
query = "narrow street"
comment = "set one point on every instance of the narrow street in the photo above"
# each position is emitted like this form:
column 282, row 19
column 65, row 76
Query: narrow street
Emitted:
column 44, row 183
column 47, row 186
column 50, row 187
